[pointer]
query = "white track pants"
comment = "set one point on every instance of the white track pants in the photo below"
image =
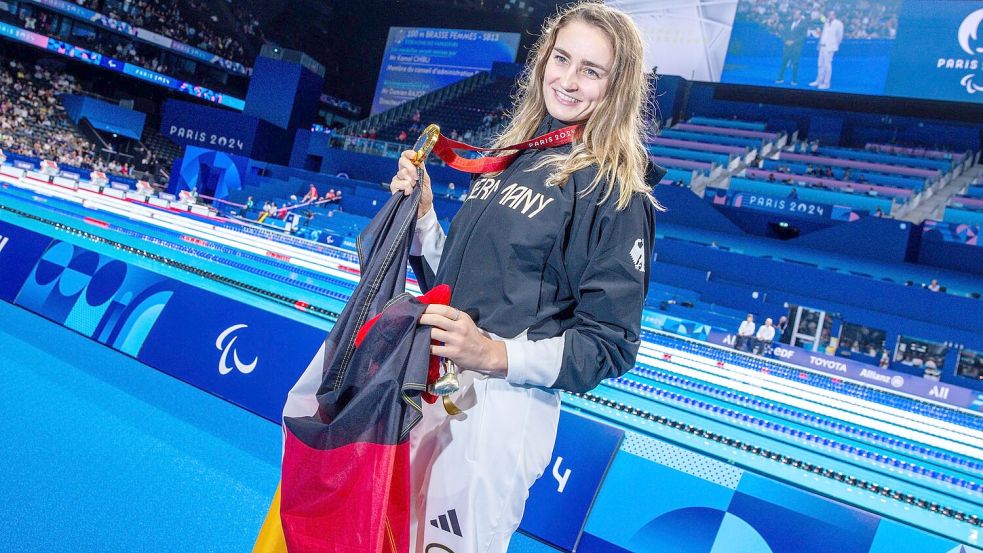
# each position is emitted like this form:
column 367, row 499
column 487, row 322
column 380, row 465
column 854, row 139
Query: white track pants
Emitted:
column 825, row 67
column 472, row 472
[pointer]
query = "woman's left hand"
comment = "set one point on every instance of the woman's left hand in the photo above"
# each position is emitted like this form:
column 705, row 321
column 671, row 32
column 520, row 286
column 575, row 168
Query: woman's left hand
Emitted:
column 464, row 343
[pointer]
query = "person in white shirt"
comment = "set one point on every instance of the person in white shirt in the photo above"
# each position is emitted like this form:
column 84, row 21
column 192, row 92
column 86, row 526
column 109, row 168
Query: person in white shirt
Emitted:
column 829, row 43
column 764, row 337
column 744, row 333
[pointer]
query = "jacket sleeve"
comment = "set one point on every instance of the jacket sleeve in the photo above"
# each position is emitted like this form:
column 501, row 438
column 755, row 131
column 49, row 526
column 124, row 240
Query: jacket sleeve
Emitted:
column 609, row 294
column 426, row 250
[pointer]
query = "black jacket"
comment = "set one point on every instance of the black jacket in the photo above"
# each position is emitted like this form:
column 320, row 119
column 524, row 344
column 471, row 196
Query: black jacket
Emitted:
column 550, row 260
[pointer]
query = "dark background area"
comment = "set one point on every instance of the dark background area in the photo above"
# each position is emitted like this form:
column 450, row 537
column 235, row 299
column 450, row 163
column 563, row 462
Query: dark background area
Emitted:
column 349, row 36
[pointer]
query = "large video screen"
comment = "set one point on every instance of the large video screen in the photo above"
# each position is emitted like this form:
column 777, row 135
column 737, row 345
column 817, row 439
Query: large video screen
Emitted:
column 420, row 60
column 928, row 49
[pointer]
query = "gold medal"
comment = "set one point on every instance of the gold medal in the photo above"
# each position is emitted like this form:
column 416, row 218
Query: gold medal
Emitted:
column 424, row 145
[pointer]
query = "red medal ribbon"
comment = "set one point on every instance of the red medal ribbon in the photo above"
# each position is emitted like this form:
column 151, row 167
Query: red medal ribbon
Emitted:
column 444, row 148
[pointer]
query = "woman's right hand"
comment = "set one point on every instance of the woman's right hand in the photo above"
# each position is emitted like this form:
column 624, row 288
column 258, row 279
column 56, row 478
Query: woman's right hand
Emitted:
column 405, row 180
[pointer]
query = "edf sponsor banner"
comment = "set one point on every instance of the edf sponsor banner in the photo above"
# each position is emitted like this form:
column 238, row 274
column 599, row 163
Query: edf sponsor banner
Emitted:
column 939, row 51
column 19, row 251
column 240, row 353
column 560, row 500
column 862, row 372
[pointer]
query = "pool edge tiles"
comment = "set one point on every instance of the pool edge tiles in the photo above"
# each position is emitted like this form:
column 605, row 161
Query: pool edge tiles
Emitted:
column 685, row 512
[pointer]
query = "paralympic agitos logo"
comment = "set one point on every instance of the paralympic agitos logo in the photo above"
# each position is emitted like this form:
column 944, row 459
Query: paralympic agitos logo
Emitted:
column 970, row 41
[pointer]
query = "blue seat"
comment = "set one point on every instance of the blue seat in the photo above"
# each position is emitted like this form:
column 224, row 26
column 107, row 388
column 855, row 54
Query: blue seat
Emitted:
column 677, row 153
column 890, row 159
column 730, row 123
column 712, row 138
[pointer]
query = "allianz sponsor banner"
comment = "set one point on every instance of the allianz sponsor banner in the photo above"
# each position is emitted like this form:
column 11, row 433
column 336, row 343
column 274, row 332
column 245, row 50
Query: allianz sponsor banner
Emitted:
column 862, row 372
column 561, row 499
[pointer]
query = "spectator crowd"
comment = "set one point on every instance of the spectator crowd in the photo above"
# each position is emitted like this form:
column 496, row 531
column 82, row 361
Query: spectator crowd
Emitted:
column 33, row 122
column 862, row 19
column 193, row 22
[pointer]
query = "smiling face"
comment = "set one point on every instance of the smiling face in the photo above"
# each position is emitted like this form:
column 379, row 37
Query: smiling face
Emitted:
column 576, row 76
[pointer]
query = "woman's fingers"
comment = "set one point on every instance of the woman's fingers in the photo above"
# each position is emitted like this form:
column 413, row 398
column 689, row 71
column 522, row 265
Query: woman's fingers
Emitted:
column 440, row 335
column 440, row 351
column 401, row 185
column 444, row 310
column 436, row 321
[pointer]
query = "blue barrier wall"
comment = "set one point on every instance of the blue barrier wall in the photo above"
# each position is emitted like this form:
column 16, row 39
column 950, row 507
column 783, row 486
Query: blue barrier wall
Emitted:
column 759, row 223
column 378, row 169
column 685, row 208
column 104, row 116
column 945, row 314
column 283, row 93
column 960, row 257
column 868, row 238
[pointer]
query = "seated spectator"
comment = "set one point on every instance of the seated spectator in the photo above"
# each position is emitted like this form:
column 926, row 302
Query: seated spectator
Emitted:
column 246, row 207
column 744, row 333
column 311, row 195
column 781, row 327
column 267, row 209
column 934, row 286
column 764, row 337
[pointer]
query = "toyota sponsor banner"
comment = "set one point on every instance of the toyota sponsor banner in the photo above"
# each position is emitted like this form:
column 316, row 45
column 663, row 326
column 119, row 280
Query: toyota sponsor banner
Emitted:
column 238, row 352
column 862, row 372
column 561, row 499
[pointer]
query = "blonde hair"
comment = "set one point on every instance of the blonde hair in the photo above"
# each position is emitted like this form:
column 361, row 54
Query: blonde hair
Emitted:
column 612, row 138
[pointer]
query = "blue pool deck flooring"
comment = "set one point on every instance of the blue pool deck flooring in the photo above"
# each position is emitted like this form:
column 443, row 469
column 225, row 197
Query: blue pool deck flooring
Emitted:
column 103, row 453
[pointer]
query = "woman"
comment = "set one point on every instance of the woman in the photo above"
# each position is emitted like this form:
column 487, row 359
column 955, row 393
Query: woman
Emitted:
column 548, row 264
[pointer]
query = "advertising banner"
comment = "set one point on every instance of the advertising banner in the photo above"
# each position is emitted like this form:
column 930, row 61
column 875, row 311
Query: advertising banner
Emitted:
column 862, row 372
column 196, row 125
column 241, row 353
column 939, row 51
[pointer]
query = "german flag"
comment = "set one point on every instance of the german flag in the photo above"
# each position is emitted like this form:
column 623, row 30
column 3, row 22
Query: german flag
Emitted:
column 345, row 479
